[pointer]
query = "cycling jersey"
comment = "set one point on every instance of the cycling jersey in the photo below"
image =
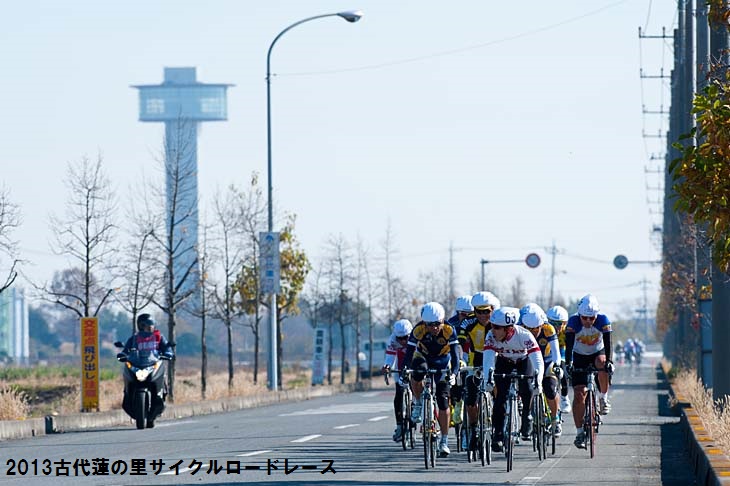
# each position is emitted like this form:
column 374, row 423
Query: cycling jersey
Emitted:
column 436, row 350
column 589, row 340
column 547, row 339
column 394, row 353
column 474, row 335
column 519, row 345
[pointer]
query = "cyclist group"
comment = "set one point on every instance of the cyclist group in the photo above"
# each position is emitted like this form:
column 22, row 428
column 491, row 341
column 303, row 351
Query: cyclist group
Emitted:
column 484, row 336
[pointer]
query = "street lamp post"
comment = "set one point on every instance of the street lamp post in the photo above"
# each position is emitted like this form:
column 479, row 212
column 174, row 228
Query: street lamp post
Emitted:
column 350, row 16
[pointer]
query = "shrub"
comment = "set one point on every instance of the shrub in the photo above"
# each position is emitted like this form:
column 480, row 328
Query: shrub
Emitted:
column 13, row 404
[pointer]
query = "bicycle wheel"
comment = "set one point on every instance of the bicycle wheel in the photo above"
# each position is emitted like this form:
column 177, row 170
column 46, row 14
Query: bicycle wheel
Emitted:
column 539, row 424
column 434, row 436
column 488, row 404
column 512, row 433
column 481, row 429
column 591, row 425
column 405, row 420
column 427, row 431
column 457, row 433
column 551, row 437
column 466, row 437
column 534, row 435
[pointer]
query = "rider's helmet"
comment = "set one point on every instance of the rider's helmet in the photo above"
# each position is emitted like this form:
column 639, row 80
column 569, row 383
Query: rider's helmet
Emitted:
column 433, row 312
column 588, row 306
column 533, row 316
column 402, row 327
column 463, row 304
column 504, row 316
column 485, row 300
column 557, row 315
column 144, row 320
column 619, row 344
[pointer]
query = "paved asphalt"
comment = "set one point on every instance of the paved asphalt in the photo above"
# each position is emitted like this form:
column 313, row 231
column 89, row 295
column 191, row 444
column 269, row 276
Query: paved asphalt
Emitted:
column 639, row 444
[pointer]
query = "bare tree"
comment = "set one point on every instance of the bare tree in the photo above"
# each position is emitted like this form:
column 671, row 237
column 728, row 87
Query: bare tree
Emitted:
column 139, row 271
column 516, row 295
column 361, row 287
column 178, row 239
column 9, row 221
column 203, row 310
column 229, row 207
column 86, row 234
column 340, row 275
column 253, row 212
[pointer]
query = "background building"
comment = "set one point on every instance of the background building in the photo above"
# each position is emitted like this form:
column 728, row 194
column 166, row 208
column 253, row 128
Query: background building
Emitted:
column 14, row 335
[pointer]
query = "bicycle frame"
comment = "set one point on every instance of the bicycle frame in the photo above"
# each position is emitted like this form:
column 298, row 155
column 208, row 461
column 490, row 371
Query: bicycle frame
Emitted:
column 591, row 417
column 429, row 424
column 483, row 426
column 511, row 425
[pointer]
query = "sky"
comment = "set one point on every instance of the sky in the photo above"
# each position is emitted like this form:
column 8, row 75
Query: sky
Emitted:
column 493, row 129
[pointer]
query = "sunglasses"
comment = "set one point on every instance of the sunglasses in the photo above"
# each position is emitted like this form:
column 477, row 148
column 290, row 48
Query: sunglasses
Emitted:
column 482, row 311
column 401, row 338
column 588, row 318
column 433, row 324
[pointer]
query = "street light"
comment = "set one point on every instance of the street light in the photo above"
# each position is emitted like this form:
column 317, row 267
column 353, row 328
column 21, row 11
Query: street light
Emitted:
column 351, row 16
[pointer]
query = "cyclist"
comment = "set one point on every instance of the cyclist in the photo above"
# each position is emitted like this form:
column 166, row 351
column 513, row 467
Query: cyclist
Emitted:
column 506, row 348
column 534, row 319
column 433, row 345
column 618, row 351
column 473, row 336
column 629, row 350
column 588, row 341
column 558, row 317
column 463, row 317
column 638, row 349
column 394, row 354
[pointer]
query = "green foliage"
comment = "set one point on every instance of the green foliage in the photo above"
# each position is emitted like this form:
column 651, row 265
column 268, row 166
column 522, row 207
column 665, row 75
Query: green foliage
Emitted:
column 701, row 174
column 9, row 374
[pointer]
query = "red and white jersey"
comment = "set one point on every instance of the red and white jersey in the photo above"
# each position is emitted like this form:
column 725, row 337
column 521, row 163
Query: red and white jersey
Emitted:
column 518, row 345
column 394, row 353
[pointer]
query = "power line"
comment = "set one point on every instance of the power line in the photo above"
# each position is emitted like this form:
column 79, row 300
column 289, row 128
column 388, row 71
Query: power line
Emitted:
column 459, row 50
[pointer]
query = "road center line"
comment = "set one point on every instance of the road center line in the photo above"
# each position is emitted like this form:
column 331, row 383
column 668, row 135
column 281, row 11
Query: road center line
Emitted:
column 346, row 426
column 378, row 419
column 307, row 438
column 254, row 453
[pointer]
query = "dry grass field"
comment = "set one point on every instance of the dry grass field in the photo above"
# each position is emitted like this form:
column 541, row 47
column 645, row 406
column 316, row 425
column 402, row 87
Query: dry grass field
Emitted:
column 40, row 391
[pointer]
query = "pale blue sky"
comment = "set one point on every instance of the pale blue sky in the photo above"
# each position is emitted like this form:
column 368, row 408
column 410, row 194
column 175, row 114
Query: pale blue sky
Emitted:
column 509, row 128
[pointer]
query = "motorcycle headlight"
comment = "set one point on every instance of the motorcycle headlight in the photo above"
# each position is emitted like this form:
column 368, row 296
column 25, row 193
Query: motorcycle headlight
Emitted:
column 143, row 373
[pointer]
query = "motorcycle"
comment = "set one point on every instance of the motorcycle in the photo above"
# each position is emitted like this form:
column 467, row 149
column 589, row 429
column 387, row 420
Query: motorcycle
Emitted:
column 144, row 385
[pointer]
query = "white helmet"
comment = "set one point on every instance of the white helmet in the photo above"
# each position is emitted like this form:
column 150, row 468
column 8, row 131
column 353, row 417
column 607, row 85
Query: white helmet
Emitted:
column 463, row 304
column 588, row 306
column 505, row 316
column 557, row 313
column 485, row 299
column 533, row 316
column 432, row 312
column 402, row 327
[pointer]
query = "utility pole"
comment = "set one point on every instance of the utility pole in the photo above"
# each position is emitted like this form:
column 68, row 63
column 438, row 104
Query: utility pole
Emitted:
column 553, row 251
column 452, row 297
column 720, row 284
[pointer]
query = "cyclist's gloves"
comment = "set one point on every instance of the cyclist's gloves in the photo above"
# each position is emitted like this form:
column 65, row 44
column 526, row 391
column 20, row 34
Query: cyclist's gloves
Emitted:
column 488, row 387
column 452, row 379
column 569, row 369
column 609, row 367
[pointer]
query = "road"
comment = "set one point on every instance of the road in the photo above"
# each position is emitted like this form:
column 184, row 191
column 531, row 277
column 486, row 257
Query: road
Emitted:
column 639, row 444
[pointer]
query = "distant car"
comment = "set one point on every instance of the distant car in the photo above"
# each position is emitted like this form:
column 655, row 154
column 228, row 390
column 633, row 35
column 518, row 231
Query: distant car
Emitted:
column 363, row 356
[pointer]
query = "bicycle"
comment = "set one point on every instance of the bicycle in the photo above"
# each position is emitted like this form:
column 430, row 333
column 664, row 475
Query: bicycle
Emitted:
column 542, row 432
column 591, row 417
column 428, row 416
column 511, row 431
column 481, row 447
column 407, row 425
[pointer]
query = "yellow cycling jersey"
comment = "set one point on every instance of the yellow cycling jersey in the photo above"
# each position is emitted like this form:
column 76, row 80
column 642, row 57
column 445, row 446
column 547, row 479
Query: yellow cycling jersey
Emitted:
column 547, row 338
column 430, row 346
column 475, row 334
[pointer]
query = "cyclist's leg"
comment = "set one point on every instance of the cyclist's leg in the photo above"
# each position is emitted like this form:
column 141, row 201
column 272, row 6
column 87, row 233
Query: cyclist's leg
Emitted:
column 398, row 406
column 550, row 388
column 419, row 373
column 604, row 405
column 580, row 361
column 500, row 401
column 470, row 400
column 442, row 402
column 525, row 391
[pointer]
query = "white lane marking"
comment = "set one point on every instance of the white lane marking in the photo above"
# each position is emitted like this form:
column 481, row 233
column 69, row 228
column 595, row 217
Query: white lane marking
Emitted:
column 307, row 438
column 179, row 471
column 378, row 419
column 346, row 408
column 170, row 424
column 370, row 394
column 254, row 453
column 346, row 426
column 552, row 462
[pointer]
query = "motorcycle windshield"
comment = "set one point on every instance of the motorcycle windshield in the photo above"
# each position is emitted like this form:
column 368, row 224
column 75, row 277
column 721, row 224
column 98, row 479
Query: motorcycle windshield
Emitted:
column 144, row 358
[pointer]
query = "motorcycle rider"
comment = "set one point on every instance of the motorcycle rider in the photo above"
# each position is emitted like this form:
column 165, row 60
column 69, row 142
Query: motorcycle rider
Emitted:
column 150, row 341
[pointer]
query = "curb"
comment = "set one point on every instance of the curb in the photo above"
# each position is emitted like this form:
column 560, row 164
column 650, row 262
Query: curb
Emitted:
column 21, row 429
column 711, row 466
